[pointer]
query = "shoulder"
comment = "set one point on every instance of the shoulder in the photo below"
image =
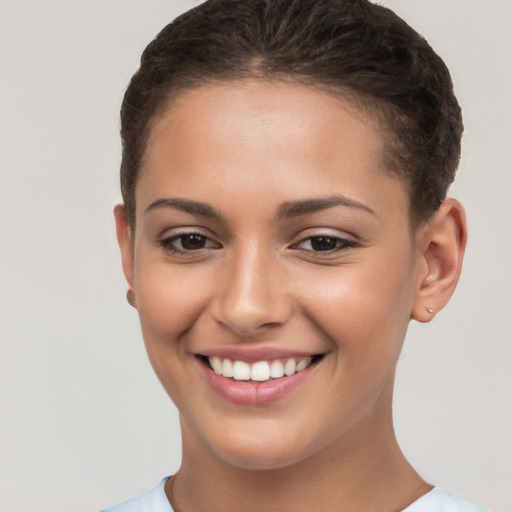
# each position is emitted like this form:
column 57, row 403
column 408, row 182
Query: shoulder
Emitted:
column 153, row 500
column 438, row 500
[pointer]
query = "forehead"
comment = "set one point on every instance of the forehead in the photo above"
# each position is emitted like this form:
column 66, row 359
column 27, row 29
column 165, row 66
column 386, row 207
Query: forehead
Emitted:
column 257, row 135
column 250, row 106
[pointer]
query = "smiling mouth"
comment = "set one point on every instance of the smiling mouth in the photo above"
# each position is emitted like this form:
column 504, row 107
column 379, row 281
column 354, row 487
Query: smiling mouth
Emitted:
column 260, row 371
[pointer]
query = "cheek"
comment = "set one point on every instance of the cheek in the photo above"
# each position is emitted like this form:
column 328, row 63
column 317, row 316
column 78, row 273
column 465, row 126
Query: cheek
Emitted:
column 363, row 309
column 169, row 303
column 169, row 298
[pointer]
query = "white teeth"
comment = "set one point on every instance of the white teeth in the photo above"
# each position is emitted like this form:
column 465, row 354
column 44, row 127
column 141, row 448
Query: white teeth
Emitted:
column 276, row 369
column 303, row 364
column 227, row 368
column 216, row 365
column 241, row 371
column 260, row 371
column 289, row 367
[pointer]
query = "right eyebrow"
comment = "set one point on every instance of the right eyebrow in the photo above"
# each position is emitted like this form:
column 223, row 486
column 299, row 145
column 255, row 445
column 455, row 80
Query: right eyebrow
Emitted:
column 185, row 205
column 306, row 206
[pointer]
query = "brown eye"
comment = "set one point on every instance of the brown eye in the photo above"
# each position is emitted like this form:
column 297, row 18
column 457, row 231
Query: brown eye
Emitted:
column 187, row 242
column 192, row 242
column 325, row 243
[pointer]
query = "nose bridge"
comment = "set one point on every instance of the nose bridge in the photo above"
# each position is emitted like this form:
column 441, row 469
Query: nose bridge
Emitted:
column 251, row 297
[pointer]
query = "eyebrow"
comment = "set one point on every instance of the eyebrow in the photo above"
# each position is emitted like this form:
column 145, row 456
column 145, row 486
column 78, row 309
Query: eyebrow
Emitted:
column 185, row 205
column 303, row 207
column 287, row 210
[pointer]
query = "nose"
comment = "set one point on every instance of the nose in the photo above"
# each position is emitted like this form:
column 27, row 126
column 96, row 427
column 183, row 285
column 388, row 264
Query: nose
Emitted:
column 252, row 296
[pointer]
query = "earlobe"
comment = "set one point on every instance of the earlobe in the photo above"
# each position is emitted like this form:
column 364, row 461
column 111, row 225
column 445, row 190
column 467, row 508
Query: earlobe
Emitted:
column 442, row 244
column 124, row 239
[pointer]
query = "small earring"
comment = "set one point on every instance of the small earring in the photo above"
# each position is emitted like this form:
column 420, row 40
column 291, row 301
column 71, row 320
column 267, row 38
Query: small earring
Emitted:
column 430, row 310
column 129, row 297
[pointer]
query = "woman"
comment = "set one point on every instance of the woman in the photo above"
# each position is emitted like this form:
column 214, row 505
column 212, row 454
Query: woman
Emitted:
column 284, row 176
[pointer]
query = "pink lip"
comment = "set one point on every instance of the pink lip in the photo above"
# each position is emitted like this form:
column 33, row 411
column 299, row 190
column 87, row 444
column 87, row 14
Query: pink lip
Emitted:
column 254, row 393
column 253, row 354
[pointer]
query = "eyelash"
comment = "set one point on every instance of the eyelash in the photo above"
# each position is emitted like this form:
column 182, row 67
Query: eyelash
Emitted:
column 340, row 244
column 168, row 243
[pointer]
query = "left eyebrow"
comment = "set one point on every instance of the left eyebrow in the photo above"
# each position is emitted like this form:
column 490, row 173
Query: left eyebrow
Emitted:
column 303, row 207
column 185, row 205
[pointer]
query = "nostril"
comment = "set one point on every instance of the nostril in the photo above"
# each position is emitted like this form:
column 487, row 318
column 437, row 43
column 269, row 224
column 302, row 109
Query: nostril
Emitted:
column 249, row 319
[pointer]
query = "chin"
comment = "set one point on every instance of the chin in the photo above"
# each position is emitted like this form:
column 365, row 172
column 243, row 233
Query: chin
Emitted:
column 266, row 448
column 259, row 460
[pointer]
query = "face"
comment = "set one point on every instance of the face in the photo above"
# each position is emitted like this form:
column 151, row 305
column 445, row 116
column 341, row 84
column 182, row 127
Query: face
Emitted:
column 273, row 269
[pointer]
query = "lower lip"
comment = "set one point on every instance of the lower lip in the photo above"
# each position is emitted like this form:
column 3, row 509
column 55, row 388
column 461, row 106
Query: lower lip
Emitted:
column 254, row 393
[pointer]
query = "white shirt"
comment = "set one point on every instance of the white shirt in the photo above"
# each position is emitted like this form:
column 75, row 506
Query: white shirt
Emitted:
column 437, row 500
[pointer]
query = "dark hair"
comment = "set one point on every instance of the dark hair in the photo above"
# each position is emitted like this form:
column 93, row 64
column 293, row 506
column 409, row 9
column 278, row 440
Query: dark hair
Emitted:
column 350, row 47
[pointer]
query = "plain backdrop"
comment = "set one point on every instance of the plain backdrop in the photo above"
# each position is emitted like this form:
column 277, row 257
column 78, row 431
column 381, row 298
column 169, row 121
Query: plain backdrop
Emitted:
column 84, row 422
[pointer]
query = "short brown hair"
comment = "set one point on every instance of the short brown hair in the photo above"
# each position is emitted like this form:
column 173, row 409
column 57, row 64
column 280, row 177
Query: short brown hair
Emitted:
column 353, row 47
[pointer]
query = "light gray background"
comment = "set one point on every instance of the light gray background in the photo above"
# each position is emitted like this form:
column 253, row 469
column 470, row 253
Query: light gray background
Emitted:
column 84, row 422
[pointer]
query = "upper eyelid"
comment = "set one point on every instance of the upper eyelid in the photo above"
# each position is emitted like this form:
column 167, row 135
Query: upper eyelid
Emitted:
column 177, row 234
column 185, row 230
column 303, row 235
column 328, row 232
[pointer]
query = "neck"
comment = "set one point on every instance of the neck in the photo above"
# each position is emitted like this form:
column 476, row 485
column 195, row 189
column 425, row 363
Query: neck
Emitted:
column 364, row 471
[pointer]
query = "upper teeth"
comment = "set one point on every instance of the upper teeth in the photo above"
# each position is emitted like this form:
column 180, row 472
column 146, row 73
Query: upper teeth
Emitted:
column 260, row 371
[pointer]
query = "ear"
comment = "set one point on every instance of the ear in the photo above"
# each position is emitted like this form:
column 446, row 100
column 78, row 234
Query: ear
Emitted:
column 125, row 241
column 441, row 243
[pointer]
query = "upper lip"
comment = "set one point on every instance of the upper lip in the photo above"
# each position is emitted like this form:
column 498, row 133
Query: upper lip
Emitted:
column 254, row 353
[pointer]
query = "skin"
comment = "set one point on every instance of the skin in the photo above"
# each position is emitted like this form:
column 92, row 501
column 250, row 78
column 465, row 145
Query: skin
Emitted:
column 245, row 150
